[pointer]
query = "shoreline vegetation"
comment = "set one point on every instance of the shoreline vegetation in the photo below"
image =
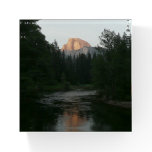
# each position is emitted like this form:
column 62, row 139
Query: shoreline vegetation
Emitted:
column 122, row 104
column 63, row 87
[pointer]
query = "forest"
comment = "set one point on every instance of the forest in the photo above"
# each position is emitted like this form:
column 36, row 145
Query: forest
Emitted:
column 45, row 68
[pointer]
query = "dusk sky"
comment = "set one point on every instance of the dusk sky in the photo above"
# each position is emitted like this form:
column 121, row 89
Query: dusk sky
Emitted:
column 88, row 30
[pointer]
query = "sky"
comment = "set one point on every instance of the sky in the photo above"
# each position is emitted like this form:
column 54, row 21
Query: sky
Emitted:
column 88, row 30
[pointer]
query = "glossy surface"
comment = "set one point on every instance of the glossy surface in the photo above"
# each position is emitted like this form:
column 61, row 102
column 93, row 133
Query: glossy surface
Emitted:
column 77, row 111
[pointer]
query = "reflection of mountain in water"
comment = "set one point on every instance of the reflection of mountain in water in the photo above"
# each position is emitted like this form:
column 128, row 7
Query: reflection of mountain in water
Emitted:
column 73, row 121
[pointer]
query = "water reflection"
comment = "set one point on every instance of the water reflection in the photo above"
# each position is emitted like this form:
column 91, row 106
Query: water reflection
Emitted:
column 74, row 111
column 74, row 119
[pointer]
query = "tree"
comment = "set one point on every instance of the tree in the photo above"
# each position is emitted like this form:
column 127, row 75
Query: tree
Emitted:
column 107, row 39
column 36, row 61
column 112, row 69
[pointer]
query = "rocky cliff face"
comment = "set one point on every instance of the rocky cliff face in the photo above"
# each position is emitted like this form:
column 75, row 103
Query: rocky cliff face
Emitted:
column 75, row 44
column 85, row 50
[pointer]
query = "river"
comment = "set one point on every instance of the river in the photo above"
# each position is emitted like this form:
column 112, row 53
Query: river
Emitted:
column 77, row 110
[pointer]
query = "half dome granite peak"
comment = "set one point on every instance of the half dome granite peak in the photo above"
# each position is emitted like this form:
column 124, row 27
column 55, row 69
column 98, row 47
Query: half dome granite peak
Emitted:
column 75, row 44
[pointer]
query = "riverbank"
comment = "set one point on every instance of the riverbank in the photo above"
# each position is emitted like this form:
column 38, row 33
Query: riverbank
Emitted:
column 122, row 104
column 67, row 87
column 63, row 87
column 49, row 89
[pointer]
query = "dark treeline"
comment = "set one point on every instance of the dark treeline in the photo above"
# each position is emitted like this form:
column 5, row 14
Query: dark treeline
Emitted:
column 36, row 65
column 112, row 69
column 44, row 68
column 77, row 70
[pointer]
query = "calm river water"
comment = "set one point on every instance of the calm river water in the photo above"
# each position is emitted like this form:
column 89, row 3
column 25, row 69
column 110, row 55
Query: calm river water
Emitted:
column 76, row 111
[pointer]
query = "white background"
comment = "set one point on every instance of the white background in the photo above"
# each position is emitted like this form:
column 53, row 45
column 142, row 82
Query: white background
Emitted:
column 140, row 139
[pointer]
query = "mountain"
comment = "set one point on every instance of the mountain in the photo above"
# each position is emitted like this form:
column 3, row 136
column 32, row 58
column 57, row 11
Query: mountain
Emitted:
column 85, row 50
column 75, row 44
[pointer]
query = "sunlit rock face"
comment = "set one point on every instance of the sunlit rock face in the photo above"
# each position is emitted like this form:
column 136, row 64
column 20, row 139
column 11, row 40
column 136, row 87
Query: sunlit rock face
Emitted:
column 75, row 44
